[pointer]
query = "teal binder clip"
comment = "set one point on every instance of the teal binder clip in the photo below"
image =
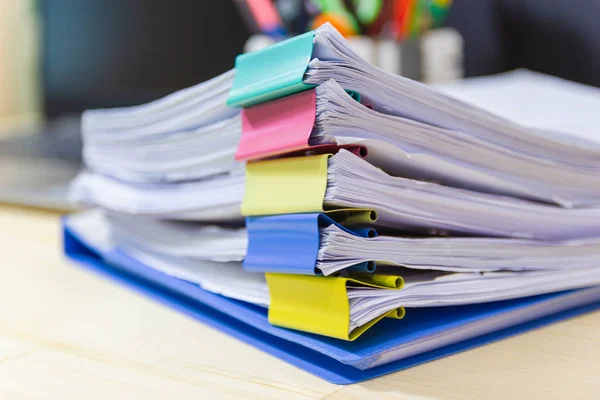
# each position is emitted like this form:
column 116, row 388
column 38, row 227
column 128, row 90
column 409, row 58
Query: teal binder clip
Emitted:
column 273, row 72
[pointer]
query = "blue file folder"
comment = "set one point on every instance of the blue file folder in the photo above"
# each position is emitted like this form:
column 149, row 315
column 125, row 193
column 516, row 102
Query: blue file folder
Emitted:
column 338, row 361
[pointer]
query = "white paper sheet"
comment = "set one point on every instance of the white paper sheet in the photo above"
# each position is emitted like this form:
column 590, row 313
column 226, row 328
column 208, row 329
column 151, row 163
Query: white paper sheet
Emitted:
column 535, row 100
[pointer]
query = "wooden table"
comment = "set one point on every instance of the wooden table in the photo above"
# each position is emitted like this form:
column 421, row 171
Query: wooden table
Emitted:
column 68, row 334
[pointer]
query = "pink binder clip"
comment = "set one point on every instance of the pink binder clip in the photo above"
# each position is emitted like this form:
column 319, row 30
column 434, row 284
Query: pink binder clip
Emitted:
column 278, row 126
column 283, row 126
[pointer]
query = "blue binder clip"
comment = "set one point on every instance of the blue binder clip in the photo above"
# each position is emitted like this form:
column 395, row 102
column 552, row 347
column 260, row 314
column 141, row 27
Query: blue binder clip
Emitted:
column 289, row 243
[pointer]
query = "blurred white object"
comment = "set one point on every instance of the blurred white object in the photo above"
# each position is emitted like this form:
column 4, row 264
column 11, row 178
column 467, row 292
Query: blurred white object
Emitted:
column 19, row 51
column 442, row 56
column 365, row 47
column 535, row 100
column 389, row 56
column 257, row 42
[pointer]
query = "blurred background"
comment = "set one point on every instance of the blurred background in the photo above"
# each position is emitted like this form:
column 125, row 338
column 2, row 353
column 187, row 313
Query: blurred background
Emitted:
column 60, row 57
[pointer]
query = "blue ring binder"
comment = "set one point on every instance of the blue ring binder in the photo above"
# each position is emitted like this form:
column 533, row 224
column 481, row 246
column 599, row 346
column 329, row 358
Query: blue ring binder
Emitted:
column 337, row 361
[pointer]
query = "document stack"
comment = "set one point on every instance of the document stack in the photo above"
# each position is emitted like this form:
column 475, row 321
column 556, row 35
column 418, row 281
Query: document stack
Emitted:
column 349, row 221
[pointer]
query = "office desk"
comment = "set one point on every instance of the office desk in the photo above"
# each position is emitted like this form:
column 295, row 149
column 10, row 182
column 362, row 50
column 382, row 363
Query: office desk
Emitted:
column 66, row 333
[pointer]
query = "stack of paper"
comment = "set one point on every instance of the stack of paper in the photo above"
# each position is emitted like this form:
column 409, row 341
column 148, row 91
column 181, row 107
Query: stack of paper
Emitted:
column 339, row 195
column 191, row 132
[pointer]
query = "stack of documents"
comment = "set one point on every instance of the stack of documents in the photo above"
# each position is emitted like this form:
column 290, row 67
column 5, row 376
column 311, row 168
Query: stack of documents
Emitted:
column 191, row 132
column 348, row 220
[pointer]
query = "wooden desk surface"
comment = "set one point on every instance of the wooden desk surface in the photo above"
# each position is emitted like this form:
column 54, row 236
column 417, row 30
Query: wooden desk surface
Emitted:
column 68, row 334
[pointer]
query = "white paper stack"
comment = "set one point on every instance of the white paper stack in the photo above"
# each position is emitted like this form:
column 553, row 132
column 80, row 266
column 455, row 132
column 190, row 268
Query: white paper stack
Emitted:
column 340, row 249
column 421, row 288
column 401, row 203
column 518, row 207
column 190, row 134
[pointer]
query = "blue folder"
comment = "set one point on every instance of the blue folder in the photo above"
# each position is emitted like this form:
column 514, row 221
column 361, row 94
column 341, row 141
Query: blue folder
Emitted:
column 334, row 360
